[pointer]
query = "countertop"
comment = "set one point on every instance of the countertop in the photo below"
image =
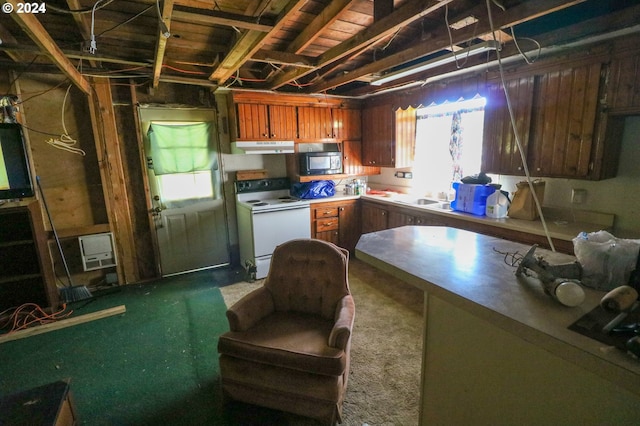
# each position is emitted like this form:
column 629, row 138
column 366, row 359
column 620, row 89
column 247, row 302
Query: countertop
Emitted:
column 561, row 224
column 469, row 271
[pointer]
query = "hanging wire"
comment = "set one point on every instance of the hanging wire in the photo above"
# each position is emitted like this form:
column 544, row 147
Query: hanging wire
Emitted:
column 516, row 133
column 65, row 142
column 526, row 58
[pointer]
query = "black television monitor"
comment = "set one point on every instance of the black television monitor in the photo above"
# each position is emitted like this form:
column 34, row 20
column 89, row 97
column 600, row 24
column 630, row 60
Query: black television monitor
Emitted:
column 15, row 176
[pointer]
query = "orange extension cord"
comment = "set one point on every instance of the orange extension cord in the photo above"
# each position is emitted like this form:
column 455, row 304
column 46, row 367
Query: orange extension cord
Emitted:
column 29, row 314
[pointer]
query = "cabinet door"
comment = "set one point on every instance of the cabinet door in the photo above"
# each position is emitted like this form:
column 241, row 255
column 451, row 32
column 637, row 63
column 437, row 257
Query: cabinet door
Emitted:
column 500, row 153
column 378, row 136
column 253, row 121
column 565, row 108
column 315, row 124
column 397, row 219
column 352, row 160
column 374, row 218
column 347, row 124
column 283, row 123
column 349, row 232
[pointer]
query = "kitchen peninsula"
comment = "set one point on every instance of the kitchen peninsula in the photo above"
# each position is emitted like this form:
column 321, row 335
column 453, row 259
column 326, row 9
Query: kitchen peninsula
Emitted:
column 496, row 349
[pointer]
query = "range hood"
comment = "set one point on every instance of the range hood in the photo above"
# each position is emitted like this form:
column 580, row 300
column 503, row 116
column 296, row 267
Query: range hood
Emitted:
column 262, row 147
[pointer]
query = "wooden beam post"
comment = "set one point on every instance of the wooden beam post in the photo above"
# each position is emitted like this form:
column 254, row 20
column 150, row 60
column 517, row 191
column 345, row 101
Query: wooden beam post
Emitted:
column 111, row 162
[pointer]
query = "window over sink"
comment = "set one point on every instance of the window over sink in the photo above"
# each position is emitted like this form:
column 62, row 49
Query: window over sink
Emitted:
column 448, row 144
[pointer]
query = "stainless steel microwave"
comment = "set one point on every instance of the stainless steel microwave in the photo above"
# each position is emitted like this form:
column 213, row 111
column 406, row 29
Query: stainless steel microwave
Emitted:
column 320, row 163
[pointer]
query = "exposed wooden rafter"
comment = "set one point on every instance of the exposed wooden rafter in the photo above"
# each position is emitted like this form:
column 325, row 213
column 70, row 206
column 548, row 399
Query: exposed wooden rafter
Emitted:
column 408, row 13
column 31, row 26
column 222, row 19
column 161, row 41
column 441, row 40
column 249, row 43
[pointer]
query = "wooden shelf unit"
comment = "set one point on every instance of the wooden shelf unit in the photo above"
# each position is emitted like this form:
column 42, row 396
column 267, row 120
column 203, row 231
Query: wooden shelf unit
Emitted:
column 26, row 271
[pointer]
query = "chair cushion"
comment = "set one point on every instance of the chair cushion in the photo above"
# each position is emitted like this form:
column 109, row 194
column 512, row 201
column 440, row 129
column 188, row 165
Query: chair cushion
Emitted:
column 287, row 339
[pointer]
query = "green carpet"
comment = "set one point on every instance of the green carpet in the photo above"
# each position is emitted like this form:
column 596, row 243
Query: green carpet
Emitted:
column 154, row 364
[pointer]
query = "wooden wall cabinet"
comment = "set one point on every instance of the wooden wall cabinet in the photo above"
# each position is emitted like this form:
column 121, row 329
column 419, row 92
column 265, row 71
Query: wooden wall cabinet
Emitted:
column 266, row 122
column 561, row 124
column 337, row 222
column 388, row 136
column 564, row 122
column 375, row 217
column 26, row 271
column 316, row 124
column 500, row 153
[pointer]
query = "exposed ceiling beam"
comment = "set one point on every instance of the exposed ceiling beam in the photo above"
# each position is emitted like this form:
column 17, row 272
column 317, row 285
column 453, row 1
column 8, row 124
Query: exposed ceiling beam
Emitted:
column 8, row 39
column 408, row 13
column 31, row 26
column 222, row 18
column 249, row 43
column 161, row 40
column 440, row 41
column 323, row 20
column 283, row 58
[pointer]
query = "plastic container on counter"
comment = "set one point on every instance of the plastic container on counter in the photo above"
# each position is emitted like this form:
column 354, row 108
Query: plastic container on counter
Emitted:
column 497, row 205
column 471, row 198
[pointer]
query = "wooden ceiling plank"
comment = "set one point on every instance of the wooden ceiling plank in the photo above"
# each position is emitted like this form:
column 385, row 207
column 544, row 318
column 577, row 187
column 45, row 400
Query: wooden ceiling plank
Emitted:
column 324, row 19
column 8, row 39
column 222, row 19
column 406, row 14
column 34, row 29
column 161, row 43
column 249, row 43
column 513, row 16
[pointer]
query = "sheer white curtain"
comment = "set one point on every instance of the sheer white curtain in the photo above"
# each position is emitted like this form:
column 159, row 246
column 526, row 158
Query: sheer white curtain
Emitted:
column 448, row 144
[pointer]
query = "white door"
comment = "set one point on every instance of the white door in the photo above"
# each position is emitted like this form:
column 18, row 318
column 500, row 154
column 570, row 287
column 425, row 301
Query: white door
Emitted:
column 192, row 235
column 188, row 211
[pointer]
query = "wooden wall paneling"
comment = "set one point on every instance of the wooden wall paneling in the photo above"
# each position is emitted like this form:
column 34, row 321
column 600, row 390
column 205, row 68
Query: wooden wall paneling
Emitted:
column 113, row 178
column 405, row 137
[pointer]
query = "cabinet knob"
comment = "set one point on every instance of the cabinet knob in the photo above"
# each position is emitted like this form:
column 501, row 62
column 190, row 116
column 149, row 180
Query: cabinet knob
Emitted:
column 538, row 169
column 273, row 135
column 341, row 209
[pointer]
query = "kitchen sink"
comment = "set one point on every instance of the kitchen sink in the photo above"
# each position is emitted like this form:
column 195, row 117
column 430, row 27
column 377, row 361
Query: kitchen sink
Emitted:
column 426, row 202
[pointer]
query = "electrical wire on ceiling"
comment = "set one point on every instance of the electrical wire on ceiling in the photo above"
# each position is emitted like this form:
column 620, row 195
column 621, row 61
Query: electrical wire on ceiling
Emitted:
column 516, row 134
column 92, row 46
column 78, row 11
column 65, row 142
column 524, row 55
column 451, row 46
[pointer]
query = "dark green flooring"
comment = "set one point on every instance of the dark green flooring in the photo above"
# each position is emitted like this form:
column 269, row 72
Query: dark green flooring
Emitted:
column 156, row 364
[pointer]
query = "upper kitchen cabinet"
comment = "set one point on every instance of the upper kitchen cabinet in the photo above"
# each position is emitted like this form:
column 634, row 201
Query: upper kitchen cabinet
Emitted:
column 316, row 124
column 388, row 136
column 265, row 122
column 564, row 122
column 561, row 125
column 352, row 160
column 347, row 124
column 500, row 152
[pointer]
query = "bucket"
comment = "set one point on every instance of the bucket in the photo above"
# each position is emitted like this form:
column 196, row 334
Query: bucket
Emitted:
column 497, row 205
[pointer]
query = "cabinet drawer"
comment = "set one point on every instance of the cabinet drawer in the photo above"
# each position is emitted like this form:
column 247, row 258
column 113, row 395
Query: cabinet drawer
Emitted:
column 328, row 224
column 326, row 212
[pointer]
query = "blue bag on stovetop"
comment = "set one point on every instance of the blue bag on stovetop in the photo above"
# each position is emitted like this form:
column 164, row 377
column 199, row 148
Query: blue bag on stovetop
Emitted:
column 314, row 189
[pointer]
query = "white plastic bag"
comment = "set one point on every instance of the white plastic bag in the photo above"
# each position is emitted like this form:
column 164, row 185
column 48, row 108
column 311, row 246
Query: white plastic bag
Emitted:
column 606, row 261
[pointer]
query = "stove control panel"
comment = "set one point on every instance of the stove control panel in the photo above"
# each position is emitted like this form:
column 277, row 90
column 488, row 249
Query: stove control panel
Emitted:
column 259, row 185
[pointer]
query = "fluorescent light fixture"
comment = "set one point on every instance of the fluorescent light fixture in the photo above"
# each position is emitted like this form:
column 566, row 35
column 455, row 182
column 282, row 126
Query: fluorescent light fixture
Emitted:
column 460, row 54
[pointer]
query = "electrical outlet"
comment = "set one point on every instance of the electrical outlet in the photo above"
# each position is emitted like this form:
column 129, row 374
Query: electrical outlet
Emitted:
column 578, row 196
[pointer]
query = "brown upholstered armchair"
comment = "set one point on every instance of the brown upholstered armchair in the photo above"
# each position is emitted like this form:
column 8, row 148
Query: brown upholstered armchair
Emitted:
column 289, row 342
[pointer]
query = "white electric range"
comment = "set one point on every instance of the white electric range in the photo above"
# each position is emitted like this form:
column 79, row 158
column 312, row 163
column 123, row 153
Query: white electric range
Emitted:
column 267, row 217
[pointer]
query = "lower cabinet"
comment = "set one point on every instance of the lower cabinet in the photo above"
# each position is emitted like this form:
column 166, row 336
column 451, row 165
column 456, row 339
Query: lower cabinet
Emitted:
column 337, row 222
column 380, row 216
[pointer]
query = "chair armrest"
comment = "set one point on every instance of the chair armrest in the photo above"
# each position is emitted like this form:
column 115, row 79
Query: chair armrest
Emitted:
column 247, row 311
column 341, row 332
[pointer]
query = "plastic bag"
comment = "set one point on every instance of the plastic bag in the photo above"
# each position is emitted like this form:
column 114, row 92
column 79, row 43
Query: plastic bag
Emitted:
column 314, row 189
column 606, row 261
